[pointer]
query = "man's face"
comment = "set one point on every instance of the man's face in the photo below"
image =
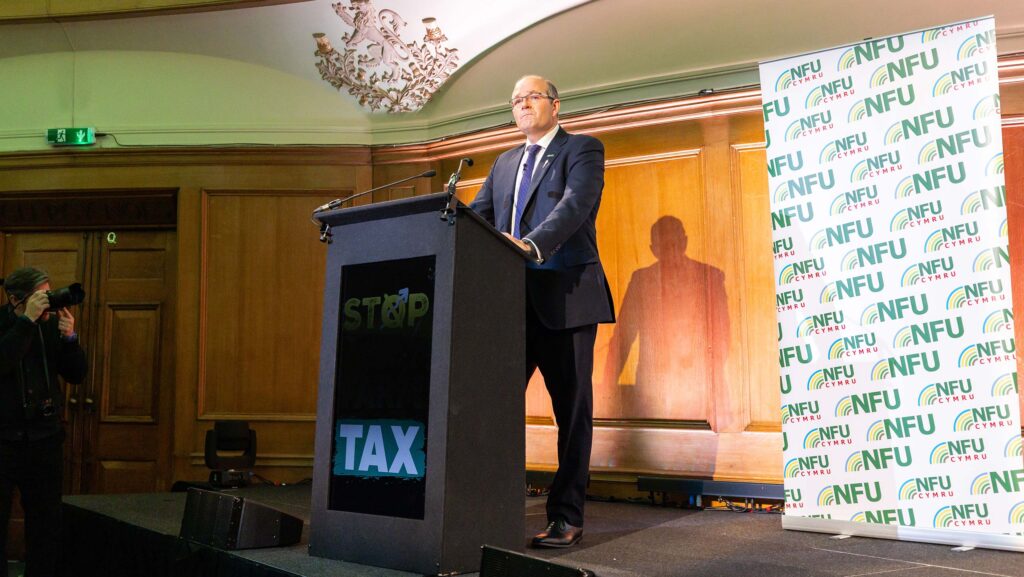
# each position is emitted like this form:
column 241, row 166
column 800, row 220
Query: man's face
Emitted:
column 534, row 116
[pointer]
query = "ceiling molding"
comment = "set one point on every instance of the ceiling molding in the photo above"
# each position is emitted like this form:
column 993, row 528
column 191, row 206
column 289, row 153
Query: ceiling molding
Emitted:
column 77, row 10
column 190, row 155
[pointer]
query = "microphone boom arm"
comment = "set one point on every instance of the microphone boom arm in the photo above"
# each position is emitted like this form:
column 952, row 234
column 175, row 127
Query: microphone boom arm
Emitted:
column 325, row 229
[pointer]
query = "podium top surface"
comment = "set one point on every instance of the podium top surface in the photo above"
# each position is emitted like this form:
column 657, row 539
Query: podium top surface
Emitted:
column 435, row 202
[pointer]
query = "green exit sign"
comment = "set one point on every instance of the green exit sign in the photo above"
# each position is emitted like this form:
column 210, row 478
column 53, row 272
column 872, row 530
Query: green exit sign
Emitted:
column 70, row 136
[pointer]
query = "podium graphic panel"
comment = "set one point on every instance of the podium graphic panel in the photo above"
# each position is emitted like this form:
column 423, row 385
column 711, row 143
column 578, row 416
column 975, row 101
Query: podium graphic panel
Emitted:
column 382, row 388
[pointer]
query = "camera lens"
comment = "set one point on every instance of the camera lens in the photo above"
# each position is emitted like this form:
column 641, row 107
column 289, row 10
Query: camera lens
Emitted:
column 66, row 297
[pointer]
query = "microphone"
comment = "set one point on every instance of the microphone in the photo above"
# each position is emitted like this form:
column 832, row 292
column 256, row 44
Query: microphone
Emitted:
column 449, row 209
column 458, row 171
column 340, row 201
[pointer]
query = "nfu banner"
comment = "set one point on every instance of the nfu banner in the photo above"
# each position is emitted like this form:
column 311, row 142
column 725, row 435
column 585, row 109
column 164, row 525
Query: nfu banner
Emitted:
column 898, row 361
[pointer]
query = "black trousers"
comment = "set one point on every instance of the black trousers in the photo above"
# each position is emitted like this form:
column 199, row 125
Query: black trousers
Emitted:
column 36, row 469
column 566, row 360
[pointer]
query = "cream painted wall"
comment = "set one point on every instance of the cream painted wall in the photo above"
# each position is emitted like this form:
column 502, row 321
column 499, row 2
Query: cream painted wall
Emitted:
column 168, row 99
column 227, row 77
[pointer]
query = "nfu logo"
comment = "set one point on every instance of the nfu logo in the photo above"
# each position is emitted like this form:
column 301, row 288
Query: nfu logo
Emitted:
column 963, row 234
column 882, row 103
column 810, row 125
column 799, row 75
column 802, row 354
column 853, row 286
column 984, row 199
column 783, row 218
column 875, row 254
column 876, row 459
column 990, row 417
column 855, row 199
column 983, row 292
column 794, row 499
column 965, row 515
column 830, row 92
column 906, row 365
column 959, row 451
column 379, row 448
column 804, row 186
column 929, row 332
column 902, row 427
column 987, row 353
column 853, row 493
column 954, row 145
column 934, row 487
column 932, row 270
column 790, row 300
column 786, row 162
column 880, row 165
column 961, row 78
column 998, row 482
column 842, row 234
column 893, row 309
column 905, row 67
column 931, row 180
column 802, row 270
column 920, row 125
column 946, row 393
column 802, row 412
column 831, row 436
column 783, row 248
column 388, row 311
column 779, row 108
column 916, row 216
column 843, row 147
column 870, row 51
column 810, row 466
column 902, row 517
column 832, row 377
column 868, row 403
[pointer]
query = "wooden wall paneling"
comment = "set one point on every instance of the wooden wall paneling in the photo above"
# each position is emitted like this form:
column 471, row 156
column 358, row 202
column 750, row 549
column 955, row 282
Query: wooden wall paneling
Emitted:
column 758, row 310
column 186, row 342
column 654, row 362
column 726, row 345
column 262, row 286
column 1013, row 155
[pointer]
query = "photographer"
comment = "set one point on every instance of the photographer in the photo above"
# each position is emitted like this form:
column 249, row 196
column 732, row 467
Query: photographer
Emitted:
column 36, row 345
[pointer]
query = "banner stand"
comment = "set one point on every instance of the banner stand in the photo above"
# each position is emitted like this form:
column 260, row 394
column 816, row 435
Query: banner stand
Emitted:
column 998, row 541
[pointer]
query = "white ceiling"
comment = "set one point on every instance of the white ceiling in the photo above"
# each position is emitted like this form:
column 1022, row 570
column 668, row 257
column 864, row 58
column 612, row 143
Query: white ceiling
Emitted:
column 599, row 52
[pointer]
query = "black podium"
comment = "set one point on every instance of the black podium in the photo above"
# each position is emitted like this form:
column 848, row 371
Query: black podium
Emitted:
column 420, row 446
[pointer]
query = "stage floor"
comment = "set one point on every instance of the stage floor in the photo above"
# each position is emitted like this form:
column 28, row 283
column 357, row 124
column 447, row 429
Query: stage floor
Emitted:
column 621, row 540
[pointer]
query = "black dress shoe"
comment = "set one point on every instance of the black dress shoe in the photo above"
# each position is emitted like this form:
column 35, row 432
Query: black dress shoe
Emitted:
column 558, row 534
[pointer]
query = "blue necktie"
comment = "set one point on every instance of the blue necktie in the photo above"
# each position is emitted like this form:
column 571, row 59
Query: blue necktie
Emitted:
column 524, row 187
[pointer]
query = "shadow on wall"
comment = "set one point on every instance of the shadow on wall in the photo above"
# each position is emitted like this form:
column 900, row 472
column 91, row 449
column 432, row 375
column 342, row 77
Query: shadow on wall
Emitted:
column 675, row 310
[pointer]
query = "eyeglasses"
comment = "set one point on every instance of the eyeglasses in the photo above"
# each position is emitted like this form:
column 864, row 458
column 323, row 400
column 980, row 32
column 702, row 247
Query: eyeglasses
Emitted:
column 533, row 97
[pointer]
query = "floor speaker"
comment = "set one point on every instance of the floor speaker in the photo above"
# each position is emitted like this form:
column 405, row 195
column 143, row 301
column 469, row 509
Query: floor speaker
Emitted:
column 495, row 562
column 231, row 522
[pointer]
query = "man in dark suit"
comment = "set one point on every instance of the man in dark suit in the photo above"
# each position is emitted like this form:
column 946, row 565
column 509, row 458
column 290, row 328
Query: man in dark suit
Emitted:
column 544, row 195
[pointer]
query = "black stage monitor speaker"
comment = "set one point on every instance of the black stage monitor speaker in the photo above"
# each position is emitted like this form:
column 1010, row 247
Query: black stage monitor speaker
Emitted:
column 496, row 562
column 231, row 522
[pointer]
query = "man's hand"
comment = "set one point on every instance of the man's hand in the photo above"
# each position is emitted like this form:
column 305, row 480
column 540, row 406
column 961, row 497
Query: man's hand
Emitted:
column 522, row 245
column 36, row 305
column 66, row 323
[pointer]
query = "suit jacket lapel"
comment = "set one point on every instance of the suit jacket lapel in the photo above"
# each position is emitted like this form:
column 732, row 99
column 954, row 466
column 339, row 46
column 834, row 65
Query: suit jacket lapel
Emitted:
column 550, row 153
